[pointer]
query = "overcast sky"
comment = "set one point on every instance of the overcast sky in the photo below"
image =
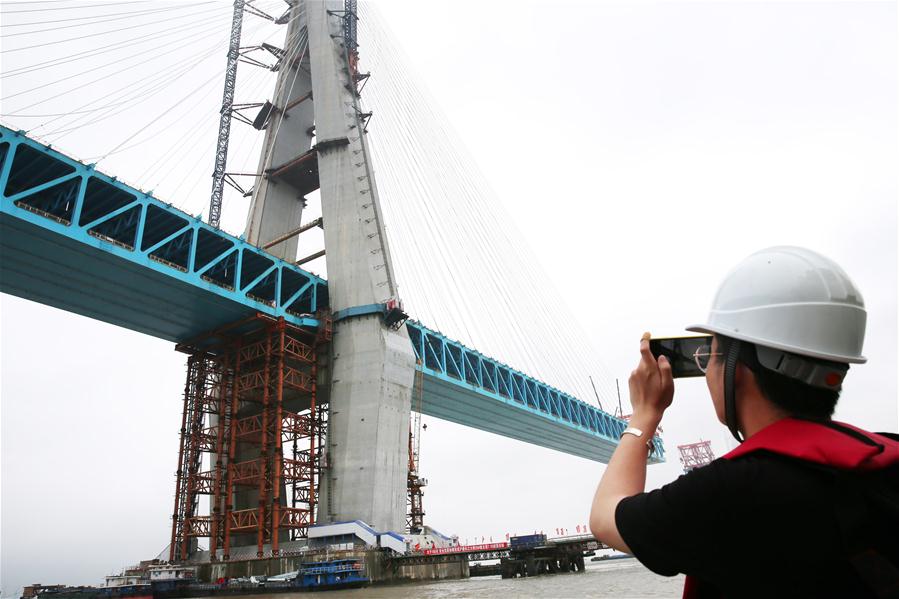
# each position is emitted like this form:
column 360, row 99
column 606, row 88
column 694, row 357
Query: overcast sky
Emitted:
column 641, row 148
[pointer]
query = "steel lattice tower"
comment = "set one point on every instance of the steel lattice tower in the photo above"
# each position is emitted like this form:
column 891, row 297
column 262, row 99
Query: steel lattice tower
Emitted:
column 221, row 148
column 694, row 455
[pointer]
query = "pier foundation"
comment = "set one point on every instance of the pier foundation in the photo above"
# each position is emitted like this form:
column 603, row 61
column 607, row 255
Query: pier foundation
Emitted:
column 378, row 568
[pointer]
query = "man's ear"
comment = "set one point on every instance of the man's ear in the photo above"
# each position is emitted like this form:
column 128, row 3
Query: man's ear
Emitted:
column 743, row 377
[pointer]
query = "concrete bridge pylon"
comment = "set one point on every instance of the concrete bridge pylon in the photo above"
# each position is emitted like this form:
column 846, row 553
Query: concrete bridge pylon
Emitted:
column 315, row 139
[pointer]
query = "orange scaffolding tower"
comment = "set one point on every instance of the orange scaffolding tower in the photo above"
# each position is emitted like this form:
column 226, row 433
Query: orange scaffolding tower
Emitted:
column 251, row 388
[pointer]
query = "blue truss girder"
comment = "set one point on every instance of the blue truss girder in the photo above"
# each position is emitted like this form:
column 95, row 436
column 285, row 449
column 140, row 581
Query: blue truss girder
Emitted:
column 77, row 239
column 464, row 386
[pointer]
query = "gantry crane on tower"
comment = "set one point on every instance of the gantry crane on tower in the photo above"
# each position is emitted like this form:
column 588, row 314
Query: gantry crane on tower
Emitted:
column 415, row 510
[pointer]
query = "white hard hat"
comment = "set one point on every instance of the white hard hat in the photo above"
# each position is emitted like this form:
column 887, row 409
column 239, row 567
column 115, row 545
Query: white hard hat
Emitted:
column 791, row 299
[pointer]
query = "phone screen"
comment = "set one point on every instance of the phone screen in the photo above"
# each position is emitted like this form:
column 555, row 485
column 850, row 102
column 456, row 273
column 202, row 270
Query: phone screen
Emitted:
column 679, row 351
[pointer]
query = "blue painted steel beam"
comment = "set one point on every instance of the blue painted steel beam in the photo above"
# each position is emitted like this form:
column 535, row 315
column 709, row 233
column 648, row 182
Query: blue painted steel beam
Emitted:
column 466, row 387
column 77, row 239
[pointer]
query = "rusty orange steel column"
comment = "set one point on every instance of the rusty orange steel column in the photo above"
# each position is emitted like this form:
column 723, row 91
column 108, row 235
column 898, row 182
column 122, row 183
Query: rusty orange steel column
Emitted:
column 232, row 452
column 278, row 457
column 178, row 482
column 223, row 402
column 314, row 427
column 193, row 448
column 263, row 452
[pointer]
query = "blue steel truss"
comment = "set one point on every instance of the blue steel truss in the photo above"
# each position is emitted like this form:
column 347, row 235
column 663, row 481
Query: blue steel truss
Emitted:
column 518, row 405
column 158, row 270
column 79, row 240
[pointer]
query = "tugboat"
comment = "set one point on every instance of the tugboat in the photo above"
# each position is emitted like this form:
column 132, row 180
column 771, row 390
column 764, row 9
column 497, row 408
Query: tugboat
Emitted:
column 347, row 573
column 147, row 580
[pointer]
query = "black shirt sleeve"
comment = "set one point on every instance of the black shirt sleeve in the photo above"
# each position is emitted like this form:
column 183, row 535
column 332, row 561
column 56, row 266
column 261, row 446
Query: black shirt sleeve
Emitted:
column 758, row 526
column 683, row 527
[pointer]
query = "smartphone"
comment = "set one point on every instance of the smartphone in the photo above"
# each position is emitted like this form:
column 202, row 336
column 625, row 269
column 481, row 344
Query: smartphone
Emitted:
column 679, row 351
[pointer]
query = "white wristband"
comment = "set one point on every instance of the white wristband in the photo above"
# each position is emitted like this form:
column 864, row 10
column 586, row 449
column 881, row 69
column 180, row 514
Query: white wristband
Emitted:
column 637, row 433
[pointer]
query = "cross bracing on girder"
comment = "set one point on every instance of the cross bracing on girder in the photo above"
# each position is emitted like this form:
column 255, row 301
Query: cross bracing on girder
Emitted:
column 451, row 362
column 62, row 218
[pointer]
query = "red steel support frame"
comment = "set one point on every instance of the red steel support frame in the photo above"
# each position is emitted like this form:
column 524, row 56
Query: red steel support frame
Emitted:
column 315, row 429
column 232, row 451
column 225, row 379
column 191, row 451
column 177, row 521
column 263, row 451
column 225, row 401
column 187, row 485
column 279, row 455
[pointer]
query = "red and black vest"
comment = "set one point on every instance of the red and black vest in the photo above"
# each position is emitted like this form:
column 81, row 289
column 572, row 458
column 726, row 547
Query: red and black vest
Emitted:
column 831, row 445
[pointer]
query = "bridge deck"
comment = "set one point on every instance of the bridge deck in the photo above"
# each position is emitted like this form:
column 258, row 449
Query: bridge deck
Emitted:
column 465, row 387
column 77, row 239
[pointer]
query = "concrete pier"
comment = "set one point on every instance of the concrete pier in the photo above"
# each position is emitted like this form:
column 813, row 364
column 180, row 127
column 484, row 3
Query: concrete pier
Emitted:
column 378, row 567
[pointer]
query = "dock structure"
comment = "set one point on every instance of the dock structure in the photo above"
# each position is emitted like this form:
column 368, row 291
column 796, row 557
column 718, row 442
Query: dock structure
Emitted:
column 534, row 555
column 538, row 555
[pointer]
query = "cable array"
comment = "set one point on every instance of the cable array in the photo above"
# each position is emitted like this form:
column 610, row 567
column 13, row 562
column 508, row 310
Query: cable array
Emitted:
column 177, row 65
column 463, row 265
column 92, row 20
column 152, row 53
column 69, row 7
column 152, row 37
column 217, row 6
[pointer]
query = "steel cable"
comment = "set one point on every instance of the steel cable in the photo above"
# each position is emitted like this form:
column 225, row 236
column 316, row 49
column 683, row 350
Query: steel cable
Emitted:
column 91, row 35
column 496, row 254
column 153, row 36
column 30, row 2
column 100, row 19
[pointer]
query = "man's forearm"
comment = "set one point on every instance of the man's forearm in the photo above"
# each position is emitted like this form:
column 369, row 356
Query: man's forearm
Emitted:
column 624, row 476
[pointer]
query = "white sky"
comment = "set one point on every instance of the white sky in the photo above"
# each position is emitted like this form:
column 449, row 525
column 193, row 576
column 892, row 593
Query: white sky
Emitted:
column 642, row 148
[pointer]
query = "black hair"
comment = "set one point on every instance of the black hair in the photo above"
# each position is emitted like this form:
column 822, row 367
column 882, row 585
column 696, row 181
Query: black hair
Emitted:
column 793, row 396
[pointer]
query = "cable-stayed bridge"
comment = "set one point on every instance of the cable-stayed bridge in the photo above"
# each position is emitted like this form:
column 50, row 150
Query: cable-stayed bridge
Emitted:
column 264, row 370
column 76, row 239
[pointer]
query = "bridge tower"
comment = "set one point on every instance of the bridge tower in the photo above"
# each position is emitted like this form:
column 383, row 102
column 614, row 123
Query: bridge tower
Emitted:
column 315, row 138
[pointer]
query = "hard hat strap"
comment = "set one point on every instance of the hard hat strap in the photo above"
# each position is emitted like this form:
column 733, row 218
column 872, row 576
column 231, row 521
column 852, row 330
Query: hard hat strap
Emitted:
column 730, row 395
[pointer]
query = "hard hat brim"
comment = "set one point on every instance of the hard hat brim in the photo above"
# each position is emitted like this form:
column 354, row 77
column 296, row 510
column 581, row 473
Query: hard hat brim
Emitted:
column 713, row 330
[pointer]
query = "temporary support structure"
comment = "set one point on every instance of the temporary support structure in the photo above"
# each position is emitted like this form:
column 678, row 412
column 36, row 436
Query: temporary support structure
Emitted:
column 694, row 455
column 251, row 388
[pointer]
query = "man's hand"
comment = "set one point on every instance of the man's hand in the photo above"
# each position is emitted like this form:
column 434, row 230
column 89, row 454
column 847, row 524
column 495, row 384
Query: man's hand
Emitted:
column 651, row 387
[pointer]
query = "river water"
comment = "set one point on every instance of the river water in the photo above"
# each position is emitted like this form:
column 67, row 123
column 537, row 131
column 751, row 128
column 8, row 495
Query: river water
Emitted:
column 619, row 579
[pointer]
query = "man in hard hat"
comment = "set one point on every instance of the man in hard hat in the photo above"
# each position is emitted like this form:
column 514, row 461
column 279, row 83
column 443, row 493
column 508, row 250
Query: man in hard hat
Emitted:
column 805, row 506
